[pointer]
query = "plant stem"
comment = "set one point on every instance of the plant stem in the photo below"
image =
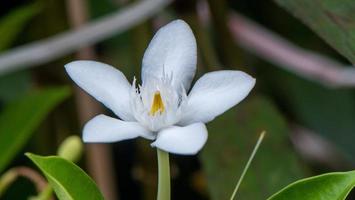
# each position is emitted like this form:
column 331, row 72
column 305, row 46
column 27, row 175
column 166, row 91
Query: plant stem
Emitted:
column 163, row 175
column 261, row 137
column 12, row 174
column 46, row 194
column 6, row 180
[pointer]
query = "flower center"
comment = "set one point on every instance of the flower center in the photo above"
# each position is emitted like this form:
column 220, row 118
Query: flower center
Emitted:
column 157, row 105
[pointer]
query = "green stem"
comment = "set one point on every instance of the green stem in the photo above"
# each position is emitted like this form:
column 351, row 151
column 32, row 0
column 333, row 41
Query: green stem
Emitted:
column 261, row 137
column 164, row 175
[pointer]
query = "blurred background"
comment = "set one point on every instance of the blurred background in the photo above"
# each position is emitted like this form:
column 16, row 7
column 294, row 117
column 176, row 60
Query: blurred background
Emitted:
column 304, row 97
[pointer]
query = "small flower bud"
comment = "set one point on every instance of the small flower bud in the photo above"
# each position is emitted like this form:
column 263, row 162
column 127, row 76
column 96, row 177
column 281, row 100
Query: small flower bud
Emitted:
column 71, row 148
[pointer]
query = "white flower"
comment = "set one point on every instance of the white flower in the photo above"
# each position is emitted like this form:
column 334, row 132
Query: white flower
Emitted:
column 160, row 108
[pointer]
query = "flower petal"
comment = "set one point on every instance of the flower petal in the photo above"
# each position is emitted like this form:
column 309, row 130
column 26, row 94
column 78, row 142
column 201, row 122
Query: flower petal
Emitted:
column 105, row 83
column 186, row 140
column 107, row 129
column 172, row 51
column 214, row 93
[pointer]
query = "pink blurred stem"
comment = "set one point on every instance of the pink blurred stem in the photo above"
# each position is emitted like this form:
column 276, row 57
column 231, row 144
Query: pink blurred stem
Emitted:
column 277, row 50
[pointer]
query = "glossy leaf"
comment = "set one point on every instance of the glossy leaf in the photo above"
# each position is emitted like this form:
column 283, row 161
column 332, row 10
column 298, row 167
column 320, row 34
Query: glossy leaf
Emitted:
column 68, row 180
column 333, row 20
column 12, row 24
column 20, row 118
column 232, row 137
column 331, row 186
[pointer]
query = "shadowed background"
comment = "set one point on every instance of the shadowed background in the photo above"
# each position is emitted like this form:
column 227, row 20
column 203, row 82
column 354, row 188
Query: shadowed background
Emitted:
column 300, row 52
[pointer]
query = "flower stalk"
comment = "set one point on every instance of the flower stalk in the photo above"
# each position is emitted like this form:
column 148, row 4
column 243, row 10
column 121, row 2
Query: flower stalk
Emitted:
column 163, row 175
column 256, row 147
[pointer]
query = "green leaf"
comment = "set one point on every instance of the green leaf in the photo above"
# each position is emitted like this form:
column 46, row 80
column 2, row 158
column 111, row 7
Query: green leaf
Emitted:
column 20, row 118
column 331, row 186
column 232, row 137
column 333, row 20
column 68, row 180
column 12, row 24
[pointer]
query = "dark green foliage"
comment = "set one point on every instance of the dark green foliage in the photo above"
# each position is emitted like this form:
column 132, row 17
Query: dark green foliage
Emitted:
column 231, row 140
column 21, row 117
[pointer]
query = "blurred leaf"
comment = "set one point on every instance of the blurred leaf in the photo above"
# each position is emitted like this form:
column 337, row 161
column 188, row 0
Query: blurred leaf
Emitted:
column 331, row 186
column 20, row 118
column 68, row 180
column 14, row 85
column 328, row 112
column 99, row 8
column 12, row 24
column 231, row 140
column 333, row 20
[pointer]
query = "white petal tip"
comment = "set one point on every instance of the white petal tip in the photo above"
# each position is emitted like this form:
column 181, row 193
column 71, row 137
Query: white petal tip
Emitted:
column 88, row 139
column 103, row 82
column 216, row 92
column 188, row 140
column 172, row 51
column 82, row 66
column 104, row 129
column 178, row 22
column 78, row 63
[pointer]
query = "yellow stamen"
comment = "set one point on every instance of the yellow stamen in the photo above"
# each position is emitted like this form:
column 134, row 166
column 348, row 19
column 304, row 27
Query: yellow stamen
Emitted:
column 157, row 105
